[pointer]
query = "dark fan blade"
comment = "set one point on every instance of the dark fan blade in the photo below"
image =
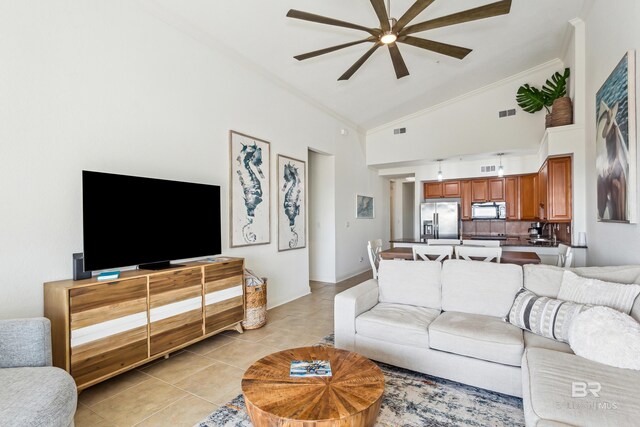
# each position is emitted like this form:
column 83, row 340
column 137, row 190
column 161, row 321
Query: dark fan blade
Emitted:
column 443, row 48
column 332, row 49
column 351, row 71
column 410, row 14
column 305, row 16
column 398, row 62
column 381, row 11
column 494, row 9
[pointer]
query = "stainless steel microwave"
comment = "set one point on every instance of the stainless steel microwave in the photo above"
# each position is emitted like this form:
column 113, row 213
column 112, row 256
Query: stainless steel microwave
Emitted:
column 489, row 210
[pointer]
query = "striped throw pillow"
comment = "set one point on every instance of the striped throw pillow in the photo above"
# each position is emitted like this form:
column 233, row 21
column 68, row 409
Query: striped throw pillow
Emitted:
column 548, row 317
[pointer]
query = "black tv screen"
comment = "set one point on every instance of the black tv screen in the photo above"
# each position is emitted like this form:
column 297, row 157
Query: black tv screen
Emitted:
column 129, row 220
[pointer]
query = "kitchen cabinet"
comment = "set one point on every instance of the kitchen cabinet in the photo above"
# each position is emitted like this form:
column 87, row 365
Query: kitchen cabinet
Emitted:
column 479, row 190
column 528, row 196
column 451, row 189
column 559, row 191
column 512, row 196
column 496, row 189
column 542, row 192
column 432, row 190
column 465, row 194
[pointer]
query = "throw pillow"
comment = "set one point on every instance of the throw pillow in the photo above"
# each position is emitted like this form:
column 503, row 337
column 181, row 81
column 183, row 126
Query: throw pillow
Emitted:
column 606, row 336
column 597, row 292
column 548, row 317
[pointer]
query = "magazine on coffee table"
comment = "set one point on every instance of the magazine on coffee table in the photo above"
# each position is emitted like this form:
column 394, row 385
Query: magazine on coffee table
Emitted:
column 310, row 368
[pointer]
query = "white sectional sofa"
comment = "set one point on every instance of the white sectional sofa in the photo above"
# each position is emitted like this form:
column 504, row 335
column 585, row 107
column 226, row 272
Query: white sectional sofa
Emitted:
column 447, row 320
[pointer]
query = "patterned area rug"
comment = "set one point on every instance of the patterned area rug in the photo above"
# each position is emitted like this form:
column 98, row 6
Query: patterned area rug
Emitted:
column 413, row 399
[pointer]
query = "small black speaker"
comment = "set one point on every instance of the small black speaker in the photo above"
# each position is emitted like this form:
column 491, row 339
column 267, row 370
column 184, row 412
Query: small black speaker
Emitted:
column 78, row 267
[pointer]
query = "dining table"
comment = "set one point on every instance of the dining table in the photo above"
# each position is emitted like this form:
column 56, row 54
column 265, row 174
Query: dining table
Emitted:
column 508, row 257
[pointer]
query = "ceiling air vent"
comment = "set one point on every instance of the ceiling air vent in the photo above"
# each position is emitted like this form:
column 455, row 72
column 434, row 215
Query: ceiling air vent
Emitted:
column 507, row 113
column 398, row 131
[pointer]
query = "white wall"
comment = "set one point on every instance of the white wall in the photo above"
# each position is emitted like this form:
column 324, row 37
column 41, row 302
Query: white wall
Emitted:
column 396, row 207
column 467, row 125
column 611, row 30
column 322, row 217
column 107, row 86
column 352, row 234
column 408, row 208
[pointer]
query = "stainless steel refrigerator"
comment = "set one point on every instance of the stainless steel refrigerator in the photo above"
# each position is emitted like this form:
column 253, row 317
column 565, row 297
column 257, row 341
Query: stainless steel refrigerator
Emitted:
column 440, row 219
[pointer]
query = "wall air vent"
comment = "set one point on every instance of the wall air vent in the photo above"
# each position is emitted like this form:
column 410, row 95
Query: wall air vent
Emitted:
column 487, row 169
column 507, row 113
column 398, row 131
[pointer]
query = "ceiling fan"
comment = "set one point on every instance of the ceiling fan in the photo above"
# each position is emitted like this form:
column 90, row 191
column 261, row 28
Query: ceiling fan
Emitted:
column 394, row 31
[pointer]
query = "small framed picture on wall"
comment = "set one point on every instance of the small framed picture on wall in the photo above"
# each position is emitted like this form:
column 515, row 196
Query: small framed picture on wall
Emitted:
column 364, row 207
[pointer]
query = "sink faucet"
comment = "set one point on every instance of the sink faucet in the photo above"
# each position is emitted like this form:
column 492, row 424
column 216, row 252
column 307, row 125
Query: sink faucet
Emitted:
column 542, row 230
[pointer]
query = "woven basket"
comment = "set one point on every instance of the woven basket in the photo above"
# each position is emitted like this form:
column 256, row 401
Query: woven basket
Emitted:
column 562, row 112
column 255, row 315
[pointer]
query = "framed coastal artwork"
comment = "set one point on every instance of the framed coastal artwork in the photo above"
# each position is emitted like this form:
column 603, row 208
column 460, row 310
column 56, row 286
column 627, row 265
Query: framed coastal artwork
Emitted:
column 292, row 199
column 364, row 207
column 249, row 191
column 616, row 163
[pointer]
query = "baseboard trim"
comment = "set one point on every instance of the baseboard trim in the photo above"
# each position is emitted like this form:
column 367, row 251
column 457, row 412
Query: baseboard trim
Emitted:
column 278, row 304
column 350, row 275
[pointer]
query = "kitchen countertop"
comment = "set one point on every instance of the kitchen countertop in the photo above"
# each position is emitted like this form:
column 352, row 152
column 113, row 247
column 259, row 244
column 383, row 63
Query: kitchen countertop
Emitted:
column 511, row 241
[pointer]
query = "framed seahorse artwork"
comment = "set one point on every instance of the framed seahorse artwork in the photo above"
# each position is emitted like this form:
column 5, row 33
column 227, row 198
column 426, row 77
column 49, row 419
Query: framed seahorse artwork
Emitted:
column 292, row 203
column 249, row 191
column 616, row 165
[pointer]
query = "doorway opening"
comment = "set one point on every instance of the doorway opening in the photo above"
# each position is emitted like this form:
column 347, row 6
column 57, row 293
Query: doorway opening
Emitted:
column 322, row 217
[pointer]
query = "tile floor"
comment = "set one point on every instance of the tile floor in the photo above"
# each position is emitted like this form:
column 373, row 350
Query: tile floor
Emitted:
column 193, row 382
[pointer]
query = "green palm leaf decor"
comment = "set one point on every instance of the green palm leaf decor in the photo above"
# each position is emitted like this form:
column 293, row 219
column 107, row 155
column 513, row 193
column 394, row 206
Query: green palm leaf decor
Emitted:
column 532, row 99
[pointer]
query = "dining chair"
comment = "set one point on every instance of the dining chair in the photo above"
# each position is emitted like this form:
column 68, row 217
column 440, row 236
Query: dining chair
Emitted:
column 432, row 253
column 446, row 242
column 482, row 243
column 373, row 249
column 472, row 253
column 565, row 256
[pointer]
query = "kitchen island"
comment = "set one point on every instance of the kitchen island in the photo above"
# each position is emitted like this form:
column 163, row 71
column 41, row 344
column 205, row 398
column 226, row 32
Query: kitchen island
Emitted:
column 548, row 253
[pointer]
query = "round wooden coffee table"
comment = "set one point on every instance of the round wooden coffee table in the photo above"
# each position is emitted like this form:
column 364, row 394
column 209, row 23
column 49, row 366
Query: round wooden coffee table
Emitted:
column 350, row 397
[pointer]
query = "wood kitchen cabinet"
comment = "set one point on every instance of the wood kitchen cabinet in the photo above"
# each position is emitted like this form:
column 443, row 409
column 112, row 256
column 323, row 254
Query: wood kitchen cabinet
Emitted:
column 451, row 189
column 542, row 192
column 465, row 194
column 479, row 190
column 528, row 196
column 559, row 191
column 512, row 195
column 496, row 189
column 432, row 190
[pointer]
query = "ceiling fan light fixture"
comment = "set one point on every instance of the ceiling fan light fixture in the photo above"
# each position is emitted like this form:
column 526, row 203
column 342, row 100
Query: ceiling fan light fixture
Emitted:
column 388, row 37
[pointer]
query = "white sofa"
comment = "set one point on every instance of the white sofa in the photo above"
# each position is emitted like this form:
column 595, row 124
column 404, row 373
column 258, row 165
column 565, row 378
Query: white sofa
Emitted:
column 447, row 320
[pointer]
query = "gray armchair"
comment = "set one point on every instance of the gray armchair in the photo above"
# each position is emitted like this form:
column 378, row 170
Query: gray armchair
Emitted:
column 32, row 392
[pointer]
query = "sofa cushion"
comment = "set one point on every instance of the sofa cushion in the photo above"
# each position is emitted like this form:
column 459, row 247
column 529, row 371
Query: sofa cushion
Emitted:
column 397, row 323
column 37, row 397
column 474, row 335
column 544, row 316
column 534, row 340
column 412, row 283
column 549, row 378
column 585, row 290
column 479, row 287
column 545, row 280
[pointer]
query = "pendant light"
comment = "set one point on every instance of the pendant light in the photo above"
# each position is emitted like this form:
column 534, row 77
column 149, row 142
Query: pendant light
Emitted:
column 500, row 168
column 440, row 170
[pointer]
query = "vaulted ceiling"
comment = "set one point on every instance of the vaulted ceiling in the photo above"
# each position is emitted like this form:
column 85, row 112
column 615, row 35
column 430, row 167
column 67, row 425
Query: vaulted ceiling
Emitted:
column 534, row 32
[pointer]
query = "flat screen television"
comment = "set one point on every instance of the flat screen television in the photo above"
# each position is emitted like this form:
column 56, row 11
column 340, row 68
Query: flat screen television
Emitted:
column 130, row 220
